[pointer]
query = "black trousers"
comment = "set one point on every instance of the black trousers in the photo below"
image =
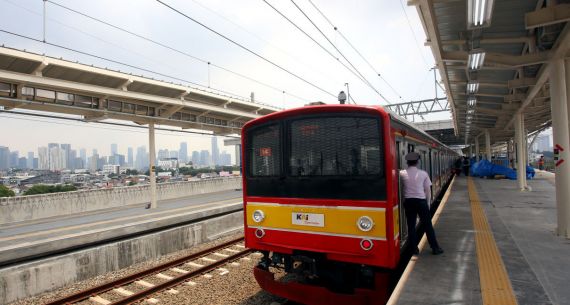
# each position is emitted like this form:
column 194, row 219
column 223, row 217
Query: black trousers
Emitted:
column 413, row 208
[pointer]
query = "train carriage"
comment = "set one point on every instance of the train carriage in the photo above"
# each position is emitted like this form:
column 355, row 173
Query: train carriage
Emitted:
column 321, row 198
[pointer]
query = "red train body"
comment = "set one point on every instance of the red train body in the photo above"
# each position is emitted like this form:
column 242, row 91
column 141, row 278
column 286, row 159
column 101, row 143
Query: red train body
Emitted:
column 321, row 198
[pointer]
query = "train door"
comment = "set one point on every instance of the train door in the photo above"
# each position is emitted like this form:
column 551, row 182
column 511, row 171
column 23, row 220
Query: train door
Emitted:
column 400, row 153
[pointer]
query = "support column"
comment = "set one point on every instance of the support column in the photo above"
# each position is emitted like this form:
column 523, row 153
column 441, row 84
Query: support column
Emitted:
column 559, row 86
column 521, row 142
column 470, row 151
column 477, row 149
column 152, row 155
column 488, row 145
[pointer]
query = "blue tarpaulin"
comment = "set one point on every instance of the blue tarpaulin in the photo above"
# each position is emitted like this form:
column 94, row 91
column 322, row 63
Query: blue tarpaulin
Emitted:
column 485, row 168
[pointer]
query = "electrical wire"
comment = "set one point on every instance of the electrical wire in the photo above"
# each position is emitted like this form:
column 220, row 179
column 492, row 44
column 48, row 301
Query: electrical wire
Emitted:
column 103, row 123
column 209, row 63
column 355, row 49
column 362, row 77
column 246, row 49
column 413, row 33
column 262, row 39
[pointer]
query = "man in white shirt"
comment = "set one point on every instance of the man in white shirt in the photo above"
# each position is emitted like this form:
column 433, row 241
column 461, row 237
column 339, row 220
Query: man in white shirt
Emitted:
column 416, row 186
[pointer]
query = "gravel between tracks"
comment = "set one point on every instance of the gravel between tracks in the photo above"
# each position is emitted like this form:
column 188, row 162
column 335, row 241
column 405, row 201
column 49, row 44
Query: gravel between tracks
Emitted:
column 237, row 287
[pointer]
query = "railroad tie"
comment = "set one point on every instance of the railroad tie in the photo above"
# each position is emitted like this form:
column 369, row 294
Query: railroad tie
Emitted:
column 208, row 276
column 178, row 270
column 172, row 291
column 163, row 276
column 192, row 264
column 123, row 291
column 152, row 300
column 220, row 254
column 100, row 300
column 190, row 283
column 231, row 250
column 234, row 264
column 208, row 259
column 145, row 283
column 223, row 271
column 240, row 246
column 246, row 258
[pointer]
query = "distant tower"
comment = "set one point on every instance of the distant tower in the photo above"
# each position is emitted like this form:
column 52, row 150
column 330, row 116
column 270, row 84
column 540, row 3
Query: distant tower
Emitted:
column 215, row 151
column 130, row 159
column 183, row 152
column 114, row 149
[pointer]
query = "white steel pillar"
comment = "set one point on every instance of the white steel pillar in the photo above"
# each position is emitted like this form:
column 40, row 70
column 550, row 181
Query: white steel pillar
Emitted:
column 488, row 144
column 559, row 86
column 521, row 142
column 470, row 151
column 477, row 149
column 152, row 155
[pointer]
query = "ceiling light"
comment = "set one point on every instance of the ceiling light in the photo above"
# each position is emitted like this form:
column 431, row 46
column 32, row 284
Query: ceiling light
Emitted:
column 476, row 59
column 470, row 111
column 479, row 13
column 471, row 101
column 472, row 87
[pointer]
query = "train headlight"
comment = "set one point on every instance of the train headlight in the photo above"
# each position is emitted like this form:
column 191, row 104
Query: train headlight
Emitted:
column 365, row 223
column 258, row 216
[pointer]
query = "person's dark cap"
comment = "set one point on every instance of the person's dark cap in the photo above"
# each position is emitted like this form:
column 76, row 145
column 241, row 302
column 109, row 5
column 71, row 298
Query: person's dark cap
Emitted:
column 413, row 156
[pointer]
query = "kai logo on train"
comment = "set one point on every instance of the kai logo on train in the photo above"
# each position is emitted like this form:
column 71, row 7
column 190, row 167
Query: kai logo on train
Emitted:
column 308, row 219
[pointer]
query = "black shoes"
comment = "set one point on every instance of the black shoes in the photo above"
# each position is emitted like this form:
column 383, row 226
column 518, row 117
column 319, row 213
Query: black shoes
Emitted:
column 437, row 251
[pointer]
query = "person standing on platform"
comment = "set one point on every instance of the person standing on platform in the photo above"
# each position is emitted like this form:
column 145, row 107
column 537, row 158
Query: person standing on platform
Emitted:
column 417, row 192
column 466, row 166
column 541, row 163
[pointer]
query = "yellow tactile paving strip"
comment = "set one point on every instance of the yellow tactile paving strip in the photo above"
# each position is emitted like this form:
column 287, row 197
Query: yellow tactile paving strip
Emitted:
column 495, row 284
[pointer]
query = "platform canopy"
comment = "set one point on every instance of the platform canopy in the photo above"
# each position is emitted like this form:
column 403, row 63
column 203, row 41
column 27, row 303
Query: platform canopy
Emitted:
column 493, row 57
column 38, row 82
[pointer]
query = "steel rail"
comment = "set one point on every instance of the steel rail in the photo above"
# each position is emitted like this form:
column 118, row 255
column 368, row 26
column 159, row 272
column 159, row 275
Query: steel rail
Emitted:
column 84, row 294
column 178, row 280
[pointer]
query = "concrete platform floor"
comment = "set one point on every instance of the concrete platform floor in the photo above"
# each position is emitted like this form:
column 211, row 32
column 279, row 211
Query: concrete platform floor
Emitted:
column 32, row 238
column 523, row 224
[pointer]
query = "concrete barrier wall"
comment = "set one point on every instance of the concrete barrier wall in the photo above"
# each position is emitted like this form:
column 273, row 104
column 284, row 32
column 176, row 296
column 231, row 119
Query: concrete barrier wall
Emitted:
column 15, row 209
column 30, row 279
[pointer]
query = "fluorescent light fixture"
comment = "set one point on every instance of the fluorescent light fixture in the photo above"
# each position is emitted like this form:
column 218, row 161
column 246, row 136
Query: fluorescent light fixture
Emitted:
column 471, row 102
column 469, row 117
column 476, row 59
column 479, row 13
column 470, row 111
column 472, row 87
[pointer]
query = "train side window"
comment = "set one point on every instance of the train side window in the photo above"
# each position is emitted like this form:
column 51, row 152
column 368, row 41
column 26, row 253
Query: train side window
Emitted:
column 411, row 148
column 398, row 155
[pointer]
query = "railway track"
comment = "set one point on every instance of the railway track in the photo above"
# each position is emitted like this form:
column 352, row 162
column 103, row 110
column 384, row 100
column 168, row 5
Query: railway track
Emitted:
column 199, row 263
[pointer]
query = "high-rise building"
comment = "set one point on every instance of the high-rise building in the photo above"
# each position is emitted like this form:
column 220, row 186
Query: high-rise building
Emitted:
column 4, row 157
column 14, row 156
column 43, row 158
column 174, row 154
column 54, row 154
column 163, row 154
column 130, row 160
column 66, row 156
column 71, row 160
column 114, row 149
column 93, row 163
column 83, row 156
column 215, row 151
column 30, row 160
column 225, row 159
column 183, row 152
column 195, row 158
column 205, row 159
column 22, row 162
column 141, row 161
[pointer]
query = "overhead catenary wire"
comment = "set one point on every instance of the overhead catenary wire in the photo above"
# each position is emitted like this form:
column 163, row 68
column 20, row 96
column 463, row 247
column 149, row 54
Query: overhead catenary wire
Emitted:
column 413, row 33
column 247, row 49
column 47, row 116
column 355, row 49
column 362, row 77
column 186, row 54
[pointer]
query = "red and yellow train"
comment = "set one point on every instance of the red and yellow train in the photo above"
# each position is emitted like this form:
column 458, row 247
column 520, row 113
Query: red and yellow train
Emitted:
column 321, row 199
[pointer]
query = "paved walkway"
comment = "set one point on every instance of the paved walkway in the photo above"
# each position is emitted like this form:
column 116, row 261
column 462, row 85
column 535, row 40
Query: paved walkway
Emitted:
column 536, row 261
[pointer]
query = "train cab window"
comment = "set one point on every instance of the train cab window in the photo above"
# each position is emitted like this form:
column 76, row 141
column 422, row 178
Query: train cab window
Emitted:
column 264, row 149
column 335, row 146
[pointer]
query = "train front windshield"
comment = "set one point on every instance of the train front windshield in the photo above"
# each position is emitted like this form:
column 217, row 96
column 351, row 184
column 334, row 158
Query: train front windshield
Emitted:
column 328, row 157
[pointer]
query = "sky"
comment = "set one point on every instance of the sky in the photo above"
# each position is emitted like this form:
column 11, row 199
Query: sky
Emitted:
column 379, row 30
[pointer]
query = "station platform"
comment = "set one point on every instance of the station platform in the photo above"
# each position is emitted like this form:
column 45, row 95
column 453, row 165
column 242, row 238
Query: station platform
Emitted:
column 25, row 240
column 500, row 248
